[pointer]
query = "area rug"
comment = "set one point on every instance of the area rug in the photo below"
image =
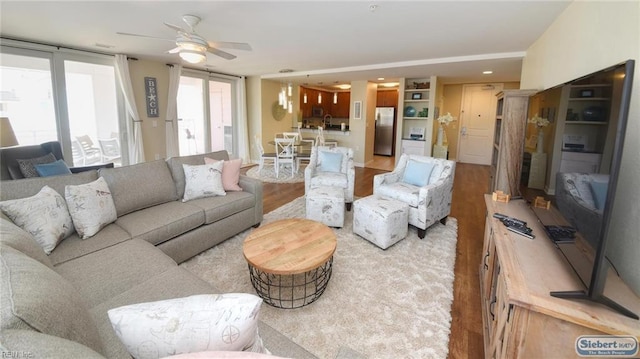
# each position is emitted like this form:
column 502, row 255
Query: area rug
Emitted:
column 393, row 303
column 269, row 174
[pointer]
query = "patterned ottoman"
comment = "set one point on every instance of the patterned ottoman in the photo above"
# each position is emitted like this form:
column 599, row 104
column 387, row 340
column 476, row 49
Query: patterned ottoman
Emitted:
column 326, row 204
column 382, row 221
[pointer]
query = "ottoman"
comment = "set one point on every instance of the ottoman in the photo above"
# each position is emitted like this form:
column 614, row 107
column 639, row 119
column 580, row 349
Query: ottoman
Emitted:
column 382, row 221
column 325, row 204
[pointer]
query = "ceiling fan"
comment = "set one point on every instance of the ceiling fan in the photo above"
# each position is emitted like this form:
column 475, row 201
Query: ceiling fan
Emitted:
column 192, row 47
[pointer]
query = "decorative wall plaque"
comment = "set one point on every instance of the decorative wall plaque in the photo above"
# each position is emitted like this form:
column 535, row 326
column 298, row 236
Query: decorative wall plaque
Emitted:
column 151, row 92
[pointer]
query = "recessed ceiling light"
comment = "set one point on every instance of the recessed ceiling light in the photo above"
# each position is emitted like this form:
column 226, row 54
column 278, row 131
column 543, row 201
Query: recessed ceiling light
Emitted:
column 489, row 72
column 380, row 78
column 344, row 87
column 390, row 84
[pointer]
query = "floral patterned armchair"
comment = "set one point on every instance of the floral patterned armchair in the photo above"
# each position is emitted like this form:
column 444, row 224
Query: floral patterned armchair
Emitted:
column 429, row 202
column 342, row 176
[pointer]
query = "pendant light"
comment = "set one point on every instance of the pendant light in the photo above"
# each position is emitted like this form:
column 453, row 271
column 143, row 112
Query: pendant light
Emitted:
column 335, row 98
column 319, row 98
column 304, row 99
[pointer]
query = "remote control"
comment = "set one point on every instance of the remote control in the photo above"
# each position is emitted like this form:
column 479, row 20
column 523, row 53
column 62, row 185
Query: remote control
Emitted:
column 522, row 233
column 504, row 218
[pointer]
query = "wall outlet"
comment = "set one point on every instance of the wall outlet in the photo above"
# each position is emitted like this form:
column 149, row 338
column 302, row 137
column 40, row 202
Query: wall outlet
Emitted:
column 157, row 156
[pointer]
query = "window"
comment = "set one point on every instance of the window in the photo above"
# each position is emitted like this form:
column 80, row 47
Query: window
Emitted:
column 26, row 96
column 205, row 114
column 33, row 87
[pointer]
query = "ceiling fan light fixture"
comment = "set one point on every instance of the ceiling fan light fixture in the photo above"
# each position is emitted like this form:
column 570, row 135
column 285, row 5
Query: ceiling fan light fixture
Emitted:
column 193, row 57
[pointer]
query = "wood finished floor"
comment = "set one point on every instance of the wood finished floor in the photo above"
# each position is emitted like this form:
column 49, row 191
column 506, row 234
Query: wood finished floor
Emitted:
column 470, row 184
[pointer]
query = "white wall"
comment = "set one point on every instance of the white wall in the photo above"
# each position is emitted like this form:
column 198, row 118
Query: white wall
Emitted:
column 586, row 37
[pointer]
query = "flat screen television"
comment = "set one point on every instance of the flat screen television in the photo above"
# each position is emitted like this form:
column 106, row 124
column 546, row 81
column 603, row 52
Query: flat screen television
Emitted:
column 595, row 110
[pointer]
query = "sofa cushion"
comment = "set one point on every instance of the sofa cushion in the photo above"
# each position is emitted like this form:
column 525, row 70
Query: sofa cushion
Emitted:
column 74, row 247
column 28, row 166
column 189, row 324
column 331, row 179
column 139, row 186
column 174, row 283
column 175, row 165
column 111, row 271
column 45, row 216
column 203, row 181
column 56, row 168
column 35, row 296
column 217, row 208
column 162, row 222
column 18, row 239
column 91, row 207
column 30, row 186
column 400, row 191
column 39, row 345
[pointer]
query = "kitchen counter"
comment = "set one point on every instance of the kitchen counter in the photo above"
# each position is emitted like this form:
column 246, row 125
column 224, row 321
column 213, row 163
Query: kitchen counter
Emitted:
column 329, row 131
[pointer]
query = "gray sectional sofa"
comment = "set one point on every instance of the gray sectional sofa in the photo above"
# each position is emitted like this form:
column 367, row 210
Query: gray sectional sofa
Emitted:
column 56, row 305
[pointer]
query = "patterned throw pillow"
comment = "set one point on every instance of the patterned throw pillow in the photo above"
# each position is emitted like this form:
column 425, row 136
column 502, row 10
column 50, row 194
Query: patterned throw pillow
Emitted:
column 226, row 322
column 91, row 207
column 45, row 216
column 230, row 173
column 203, row 181
column 28, row 167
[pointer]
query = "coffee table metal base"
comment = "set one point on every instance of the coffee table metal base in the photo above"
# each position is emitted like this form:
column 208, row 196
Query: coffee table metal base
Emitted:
column 291, row 290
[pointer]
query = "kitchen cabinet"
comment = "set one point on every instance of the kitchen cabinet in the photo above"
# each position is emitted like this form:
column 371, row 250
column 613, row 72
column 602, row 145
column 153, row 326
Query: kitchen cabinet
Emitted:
column 340, row 109
column 387, row 98
column 412, row 147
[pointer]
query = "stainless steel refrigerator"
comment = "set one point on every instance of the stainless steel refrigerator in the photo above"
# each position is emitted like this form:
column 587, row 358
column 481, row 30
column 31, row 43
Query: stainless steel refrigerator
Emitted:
column 385, row 122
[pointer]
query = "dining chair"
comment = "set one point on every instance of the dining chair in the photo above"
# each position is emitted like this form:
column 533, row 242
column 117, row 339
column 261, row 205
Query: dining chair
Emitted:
column 320, row 140
column 285, row 155
column 265, row 157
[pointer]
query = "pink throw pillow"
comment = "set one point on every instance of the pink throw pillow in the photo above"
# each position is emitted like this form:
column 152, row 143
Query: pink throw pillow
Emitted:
column 230, row 173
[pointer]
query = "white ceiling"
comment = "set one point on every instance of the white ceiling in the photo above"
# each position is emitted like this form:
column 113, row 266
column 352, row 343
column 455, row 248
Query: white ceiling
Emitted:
column 327, row 40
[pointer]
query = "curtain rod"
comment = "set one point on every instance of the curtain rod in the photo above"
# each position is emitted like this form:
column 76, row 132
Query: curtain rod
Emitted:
column 52, row 45
column 212, row 72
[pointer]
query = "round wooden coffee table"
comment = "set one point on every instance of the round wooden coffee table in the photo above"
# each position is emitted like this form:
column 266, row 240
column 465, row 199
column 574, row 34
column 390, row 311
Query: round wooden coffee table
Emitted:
column 290, row 261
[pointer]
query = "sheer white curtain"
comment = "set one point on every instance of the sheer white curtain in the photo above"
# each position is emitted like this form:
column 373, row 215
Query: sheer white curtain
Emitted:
column 242, row 122
column 136, row 148
column 171, row 122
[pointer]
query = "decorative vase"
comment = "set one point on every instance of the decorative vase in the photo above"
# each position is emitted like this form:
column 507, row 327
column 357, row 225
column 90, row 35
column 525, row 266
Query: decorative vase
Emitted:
column 540, row 144
column 440, row 135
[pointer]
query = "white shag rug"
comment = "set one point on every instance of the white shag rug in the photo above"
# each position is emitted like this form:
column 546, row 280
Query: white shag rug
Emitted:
column 393, row 303
column 269, row 174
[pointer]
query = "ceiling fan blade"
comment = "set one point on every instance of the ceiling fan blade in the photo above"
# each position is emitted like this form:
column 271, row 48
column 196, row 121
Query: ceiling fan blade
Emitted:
column 176, row 28
column 175, row 50
column 230, row 45
column 223, row 54
column 147, row 36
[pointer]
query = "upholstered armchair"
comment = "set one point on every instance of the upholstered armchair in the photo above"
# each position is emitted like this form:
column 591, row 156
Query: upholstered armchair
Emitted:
column 331, row 166
column 425, row 183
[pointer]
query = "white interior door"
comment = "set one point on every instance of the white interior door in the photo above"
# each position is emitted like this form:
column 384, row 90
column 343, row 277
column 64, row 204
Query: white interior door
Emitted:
column 477, row 121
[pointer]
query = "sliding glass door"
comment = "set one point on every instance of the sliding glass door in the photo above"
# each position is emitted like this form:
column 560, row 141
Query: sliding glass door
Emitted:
column 66, row 97
column 27, row 97
column 205, row 114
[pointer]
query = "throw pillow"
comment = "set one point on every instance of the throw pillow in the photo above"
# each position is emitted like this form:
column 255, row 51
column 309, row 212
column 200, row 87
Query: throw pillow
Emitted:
column 417, row 173
column 203, row 181
column 329, row 161
column 91, row 207
column 225, row 322
column 56, row 168
column 599, row 192
column 224, row 355
column 230, row 173
column 45, row 216
column 27, row 167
